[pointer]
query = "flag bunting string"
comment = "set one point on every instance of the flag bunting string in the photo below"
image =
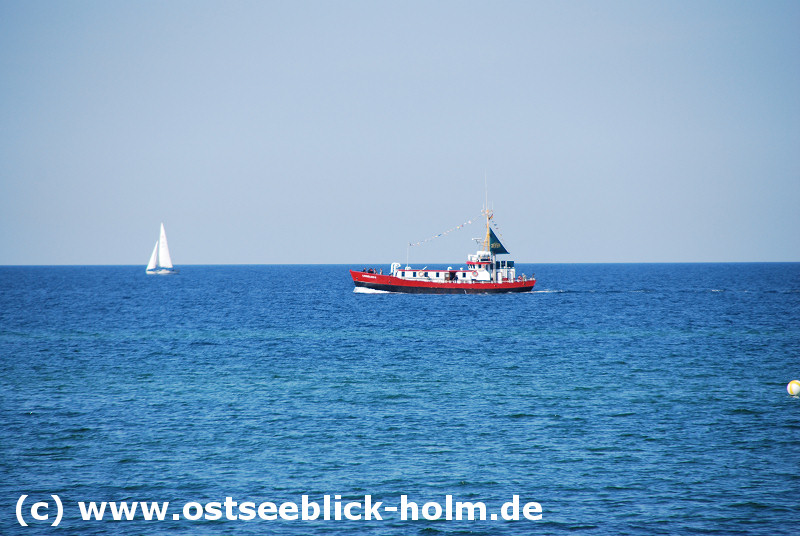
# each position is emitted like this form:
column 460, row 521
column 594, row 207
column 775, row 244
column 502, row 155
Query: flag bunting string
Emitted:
column 443, row 233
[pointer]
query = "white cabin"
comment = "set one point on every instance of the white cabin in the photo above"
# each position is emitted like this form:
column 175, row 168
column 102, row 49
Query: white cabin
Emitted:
column 480, row 269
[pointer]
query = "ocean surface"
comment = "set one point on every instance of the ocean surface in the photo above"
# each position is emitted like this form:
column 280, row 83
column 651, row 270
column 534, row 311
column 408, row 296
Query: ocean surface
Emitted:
column 631, row 399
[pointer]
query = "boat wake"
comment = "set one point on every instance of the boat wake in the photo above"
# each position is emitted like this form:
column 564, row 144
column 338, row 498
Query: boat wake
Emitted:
column 548, row 291
column 365, row 290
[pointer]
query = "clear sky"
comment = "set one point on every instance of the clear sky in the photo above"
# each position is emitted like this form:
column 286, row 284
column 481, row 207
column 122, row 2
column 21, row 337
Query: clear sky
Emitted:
column 340, row 131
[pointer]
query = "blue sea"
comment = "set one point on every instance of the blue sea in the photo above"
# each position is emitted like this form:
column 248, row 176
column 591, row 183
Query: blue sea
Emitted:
column 632, row 399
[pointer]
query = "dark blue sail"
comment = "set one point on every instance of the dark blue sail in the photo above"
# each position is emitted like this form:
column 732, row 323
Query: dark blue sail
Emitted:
column 495, row 247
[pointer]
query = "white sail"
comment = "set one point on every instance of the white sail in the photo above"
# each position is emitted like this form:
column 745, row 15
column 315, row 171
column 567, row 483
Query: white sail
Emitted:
column 164, row 260
column 160, row 261
column 153, row 258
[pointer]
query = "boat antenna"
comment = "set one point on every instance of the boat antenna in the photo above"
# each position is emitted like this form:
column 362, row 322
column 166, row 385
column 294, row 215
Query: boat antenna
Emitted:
column 486, row 211
column 486, row 190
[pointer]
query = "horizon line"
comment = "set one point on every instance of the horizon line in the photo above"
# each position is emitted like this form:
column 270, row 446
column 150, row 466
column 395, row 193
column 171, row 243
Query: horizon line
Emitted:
column 387, row 264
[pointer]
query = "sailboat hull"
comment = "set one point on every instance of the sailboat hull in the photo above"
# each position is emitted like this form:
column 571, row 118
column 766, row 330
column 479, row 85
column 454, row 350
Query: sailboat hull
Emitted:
column 162, row 271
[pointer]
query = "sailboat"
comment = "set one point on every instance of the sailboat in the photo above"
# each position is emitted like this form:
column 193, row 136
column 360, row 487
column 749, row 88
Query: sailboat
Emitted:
column 160, row 261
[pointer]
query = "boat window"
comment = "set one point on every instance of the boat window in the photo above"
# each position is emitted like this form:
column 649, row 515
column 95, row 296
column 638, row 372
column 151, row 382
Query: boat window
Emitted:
column 414, row 274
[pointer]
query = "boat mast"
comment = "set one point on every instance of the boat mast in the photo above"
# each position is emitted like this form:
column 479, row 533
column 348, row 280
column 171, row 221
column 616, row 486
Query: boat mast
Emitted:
column 487, row 243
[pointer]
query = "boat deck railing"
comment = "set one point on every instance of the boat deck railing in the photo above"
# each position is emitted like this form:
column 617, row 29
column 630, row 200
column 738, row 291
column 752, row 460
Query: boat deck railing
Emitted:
column 519, row 279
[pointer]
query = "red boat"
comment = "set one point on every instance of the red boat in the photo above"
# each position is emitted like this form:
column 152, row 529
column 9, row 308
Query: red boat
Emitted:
column 484, row 274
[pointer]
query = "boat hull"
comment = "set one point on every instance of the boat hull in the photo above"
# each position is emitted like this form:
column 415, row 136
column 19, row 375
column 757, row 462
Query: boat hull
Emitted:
column 389, row 283
column 161, row 271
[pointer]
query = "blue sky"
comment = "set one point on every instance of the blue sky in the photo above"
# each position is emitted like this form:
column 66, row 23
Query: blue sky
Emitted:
column 338, row 132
